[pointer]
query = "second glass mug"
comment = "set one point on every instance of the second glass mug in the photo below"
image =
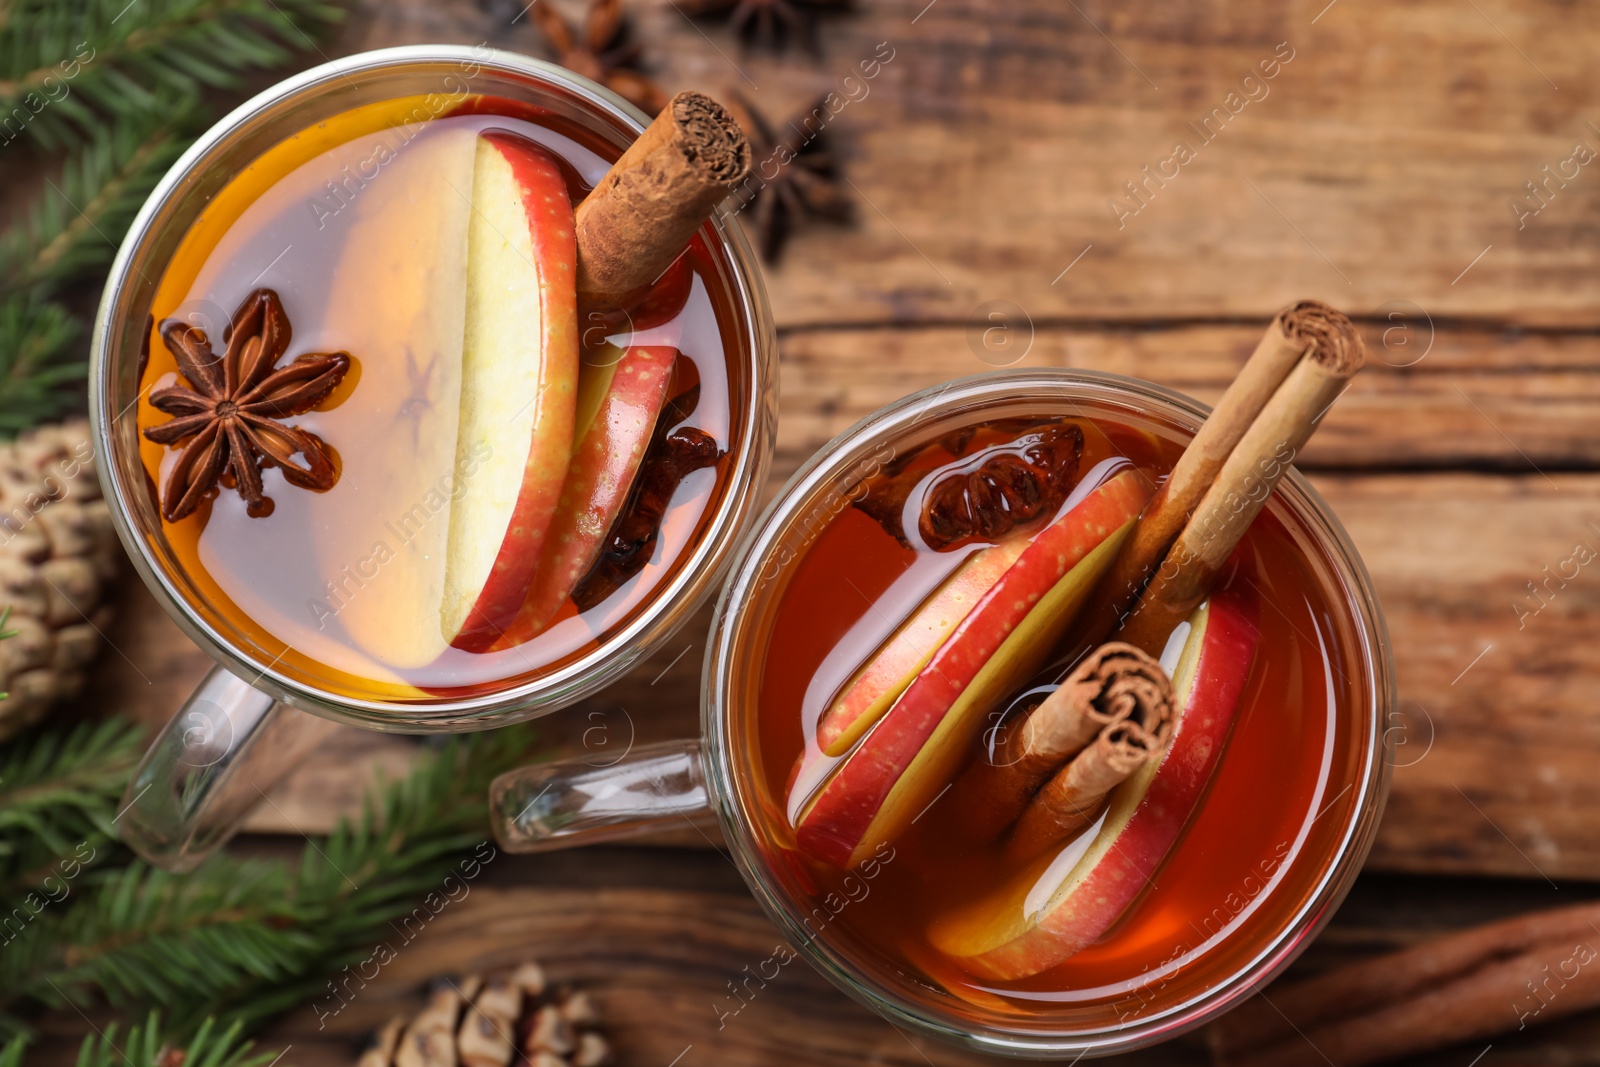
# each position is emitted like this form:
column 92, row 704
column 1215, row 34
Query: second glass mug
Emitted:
column 249, row 722
column 574, row 802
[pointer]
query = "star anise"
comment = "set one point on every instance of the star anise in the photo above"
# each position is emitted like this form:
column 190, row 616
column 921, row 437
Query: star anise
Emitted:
column 794, row 177
column 227, row 417
column 602, row 52
column 765, row 22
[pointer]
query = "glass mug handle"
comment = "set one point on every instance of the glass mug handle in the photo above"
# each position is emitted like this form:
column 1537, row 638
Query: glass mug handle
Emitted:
column 224, row 750
column 580, row 801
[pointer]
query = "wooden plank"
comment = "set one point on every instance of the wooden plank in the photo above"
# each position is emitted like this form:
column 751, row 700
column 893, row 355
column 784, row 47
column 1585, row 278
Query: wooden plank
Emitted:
column 655, row 938
column 1378, row 166
column 657, row 958
column 659, row 963
column 1504, row 692
column 1431, row 396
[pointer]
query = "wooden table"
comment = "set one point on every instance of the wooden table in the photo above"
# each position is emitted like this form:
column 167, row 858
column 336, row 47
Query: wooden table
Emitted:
column 989, row 161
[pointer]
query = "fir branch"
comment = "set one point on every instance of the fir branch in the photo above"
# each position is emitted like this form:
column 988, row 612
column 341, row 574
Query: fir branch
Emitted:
column 64, row 65
column 80, row 219
column 35, row 368
column 11, row 1051
column 59, row 791
column 245, row 940
column 145, row 1048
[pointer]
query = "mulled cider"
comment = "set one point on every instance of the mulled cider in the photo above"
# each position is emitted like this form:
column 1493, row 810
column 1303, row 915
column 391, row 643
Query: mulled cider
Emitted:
column 1025, row 769
column 427, row 415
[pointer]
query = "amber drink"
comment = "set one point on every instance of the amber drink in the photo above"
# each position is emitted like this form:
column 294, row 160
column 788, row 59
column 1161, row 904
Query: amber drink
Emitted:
column 925, row 595
column 448, row 474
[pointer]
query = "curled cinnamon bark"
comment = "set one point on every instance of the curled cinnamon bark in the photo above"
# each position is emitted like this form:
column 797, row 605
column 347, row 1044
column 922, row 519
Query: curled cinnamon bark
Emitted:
column 1495, row 978
column 1301, row 329
column 650, row 203
column 1246, row 478
column 1071, row 800
column 1117, row 700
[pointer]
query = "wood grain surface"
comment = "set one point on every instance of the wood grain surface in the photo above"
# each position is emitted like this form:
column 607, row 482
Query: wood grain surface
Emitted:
column 658, row 958
column 1378, row 172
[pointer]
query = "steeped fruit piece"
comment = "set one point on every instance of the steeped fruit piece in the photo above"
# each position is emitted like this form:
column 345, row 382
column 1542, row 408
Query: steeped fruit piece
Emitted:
column 885, row 676
column 1007, row 935
column 618, row 404
column 915, row 749
column 408, row 241
column 518, row 384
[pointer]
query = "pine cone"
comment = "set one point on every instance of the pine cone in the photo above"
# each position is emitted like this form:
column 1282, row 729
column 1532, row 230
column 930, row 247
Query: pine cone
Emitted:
column 58, row 552
column 508, row 1020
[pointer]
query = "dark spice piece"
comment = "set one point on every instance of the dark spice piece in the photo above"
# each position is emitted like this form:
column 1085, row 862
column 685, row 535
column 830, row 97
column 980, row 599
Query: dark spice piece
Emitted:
column 602, row 52
column 986, row 498
column 792, row 178
column 766, row 22
column 670, row 458
column 229, row 413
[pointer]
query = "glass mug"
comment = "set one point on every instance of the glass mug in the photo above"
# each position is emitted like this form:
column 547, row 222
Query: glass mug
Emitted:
column 250, row 721
column 573, row 802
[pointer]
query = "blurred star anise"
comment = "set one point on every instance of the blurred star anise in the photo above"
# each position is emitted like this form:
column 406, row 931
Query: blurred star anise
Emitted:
column 794, row 176
column 765, row 22
column 602, row 52
column 227, row 416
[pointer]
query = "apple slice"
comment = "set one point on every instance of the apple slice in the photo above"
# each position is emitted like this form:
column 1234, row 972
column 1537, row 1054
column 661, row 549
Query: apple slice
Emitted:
column 518, row 384
column 1059, row 905
column 406, row 253
column 882, row 679
column 618, row 404
column 915, row 749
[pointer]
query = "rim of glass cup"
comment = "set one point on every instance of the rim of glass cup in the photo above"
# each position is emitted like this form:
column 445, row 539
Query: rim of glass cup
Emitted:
column 844, row 453
column 670, row 605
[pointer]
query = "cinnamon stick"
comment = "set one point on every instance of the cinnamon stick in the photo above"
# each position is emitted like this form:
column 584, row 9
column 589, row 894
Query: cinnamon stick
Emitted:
column 1495, row 978
column 1071, row 800
column 650, row 203
column 1246, row 478
column 1294, row 332
column 1114, row 686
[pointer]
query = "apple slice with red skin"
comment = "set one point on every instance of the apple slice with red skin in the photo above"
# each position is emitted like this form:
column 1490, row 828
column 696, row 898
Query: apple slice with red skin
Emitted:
column 916, row 748
column 884, row 676
column 518, row 384
column 618, row 404
column 996, row 938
